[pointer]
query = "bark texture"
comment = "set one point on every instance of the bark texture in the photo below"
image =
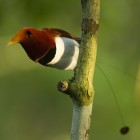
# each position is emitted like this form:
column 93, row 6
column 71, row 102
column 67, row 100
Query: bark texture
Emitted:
column 80, row 88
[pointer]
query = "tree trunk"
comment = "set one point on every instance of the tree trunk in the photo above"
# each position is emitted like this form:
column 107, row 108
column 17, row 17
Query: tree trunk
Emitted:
column 81, row 88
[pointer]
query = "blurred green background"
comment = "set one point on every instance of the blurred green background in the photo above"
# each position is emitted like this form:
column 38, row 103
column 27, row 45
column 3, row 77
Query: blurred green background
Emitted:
column 31, row 108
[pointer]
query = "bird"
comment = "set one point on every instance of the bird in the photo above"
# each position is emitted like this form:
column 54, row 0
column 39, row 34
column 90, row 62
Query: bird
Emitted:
column 54, row 48
column 50, row 47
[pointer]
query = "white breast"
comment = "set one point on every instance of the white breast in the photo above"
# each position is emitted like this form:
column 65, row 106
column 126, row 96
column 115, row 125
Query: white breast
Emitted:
column 67, row 52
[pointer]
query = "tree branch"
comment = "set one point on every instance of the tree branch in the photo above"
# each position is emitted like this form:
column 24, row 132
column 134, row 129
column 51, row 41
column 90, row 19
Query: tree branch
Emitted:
column 81, row 88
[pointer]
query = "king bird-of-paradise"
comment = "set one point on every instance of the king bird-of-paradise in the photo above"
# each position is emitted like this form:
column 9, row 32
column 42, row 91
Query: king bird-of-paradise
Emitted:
column 50, row 47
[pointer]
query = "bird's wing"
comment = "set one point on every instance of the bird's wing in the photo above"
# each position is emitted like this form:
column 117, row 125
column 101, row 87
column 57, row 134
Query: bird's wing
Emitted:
column 60, row 33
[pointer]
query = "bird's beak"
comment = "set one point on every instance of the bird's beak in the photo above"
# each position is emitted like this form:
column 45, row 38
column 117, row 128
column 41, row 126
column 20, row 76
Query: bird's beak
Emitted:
column 12, row 42
column 15, row 39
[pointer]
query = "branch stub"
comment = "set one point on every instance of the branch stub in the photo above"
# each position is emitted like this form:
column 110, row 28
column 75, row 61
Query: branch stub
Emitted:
column 62, row 86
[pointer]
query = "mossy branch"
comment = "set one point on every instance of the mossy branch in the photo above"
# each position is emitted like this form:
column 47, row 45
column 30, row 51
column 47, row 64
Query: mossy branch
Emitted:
column 81, row 88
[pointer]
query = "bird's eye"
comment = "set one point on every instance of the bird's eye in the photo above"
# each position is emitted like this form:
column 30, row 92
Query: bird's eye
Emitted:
column 29, row 34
